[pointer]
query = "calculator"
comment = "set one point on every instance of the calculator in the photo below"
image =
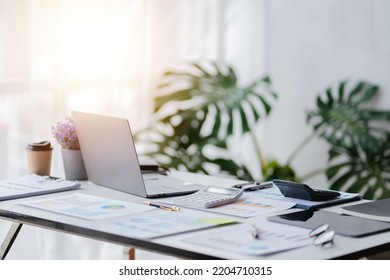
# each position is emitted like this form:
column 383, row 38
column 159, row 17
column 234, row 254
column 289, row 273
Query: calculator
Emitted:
column 209, row 197
column 303, row 191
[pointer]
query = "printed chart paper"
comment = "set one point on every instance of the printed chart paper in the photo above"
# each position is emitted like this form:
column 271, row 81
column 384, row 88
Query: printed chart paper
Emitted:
column 238, row 238
column 160, row 223
column 251, row 205
column 275, row 194
column 87, row 206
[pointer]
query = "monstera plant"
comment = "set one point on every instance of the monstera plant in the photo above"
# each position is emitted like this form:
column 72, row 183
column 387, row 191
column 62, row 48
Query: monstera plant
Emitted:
column 198, row 109
column 359, row 138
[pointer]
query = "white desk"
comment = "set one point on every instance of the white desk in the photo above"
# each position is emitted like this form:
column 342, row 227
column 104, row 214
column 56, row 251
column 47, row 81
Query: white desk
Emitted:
column 343, row 248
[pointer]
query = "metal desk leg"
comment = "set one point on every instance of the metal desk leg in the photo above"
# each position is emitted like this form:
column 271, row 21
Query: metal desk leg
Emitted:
column 9, row 239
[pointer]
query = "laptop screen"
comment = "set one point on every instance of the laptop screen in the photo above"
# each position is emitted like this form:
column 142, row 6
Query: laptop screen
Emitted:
column 108, row 151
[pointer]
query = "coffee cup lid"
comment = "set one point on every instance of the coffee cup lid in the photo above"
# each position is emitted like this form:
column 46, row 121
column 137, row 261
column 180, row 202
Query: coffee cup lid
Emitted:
column 40, row 146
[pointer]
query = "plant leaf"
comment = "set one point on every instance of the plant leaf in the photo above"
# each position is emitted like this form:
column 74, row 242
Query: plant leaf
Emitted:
column 197, row 94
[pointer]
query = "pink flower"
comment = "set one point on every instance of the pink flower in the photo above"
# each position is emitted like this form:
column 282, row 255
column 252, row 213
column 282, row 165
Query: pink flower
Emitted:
column 66, row 135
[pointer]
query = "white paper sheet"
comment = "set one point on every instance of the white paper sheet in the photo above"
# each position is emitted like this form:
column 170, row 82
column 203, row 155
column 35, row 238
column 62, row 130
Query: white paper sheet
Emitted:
column 160, row 223
column 238, row 238
column 32, row 185
column 251, row 204
column 87, row 206
column 275, row 194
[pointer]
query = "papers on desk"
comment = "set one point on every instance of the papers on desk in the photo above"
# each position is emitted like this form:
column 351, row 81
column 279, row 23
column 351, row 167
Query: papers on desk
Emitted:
column 87, row 206
column 238, row 239
column 252, row 204
column 159, row 223
column 128, row 219
column 32, row 185
column 274, row 193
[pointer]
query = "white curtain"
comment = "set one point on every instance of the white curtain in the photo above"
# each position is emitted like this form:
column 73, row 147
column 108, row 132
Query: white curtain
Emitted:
column 105, row 57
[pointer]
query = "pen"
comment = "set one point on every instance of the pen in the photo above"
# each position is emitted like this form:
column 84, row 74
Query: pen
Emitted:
column 253, row 186
column 161, row 206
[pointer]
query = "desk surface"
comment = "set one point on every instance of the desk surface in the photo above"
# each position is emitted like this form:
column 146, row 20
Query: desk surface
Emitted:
column 343, row 248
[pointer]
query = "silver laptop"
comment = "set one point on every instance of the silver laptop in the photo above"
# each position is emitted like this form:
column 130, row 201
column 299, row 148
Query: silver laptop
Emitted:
column 110, row 158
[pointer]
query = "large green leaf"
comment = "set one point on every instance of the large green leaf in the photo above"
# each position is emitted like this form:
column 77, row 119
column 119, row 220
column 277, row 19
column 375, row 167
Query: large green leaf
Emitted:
column 343, row 117
column 363, row 169
column 358, row 137
column 203, row 105
column 213, row 87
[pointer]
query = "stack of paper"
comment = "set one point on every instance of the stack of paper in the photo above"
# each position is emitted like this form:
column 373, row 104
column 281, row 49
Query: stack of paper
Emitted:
column 31, row 185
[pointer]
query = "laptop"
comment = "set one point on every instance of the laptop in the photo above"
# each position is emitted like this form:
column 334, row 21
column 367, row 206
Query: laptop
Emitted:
column 111, row 160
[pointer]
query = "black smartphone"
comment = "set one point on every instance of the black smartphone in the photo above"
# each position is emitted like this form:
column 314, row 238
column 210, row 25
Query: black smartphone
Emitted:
column 303, row 191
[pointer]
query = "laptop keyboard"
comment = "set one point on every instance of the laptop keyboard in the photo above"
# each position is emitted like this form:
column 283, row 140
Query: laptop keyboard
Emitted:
column 160, row 189
column 159, row 184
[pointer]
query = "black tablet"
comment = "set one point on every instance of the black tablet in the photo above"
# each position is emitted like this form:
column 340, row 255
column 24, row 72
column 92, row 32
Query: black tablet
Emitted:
column 340, row 223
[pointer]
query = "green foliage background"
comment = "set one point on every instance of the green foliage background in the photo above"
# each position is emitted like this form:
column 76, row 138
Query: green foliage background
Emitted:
column 198, row 108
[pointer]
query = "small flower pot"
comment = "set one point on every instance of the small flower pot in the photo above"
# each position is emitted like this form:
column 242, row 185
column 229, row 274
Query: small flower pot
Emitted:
column 73, row 165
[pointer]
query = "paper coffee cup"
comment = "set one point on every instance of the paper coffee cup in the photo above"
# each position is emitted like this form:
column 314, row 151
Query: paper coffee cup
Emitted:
column 39, row 158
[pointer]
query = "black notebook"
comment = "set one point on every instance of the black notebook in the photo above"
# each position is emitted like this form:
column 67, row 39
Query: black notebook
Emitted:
column 376, row 210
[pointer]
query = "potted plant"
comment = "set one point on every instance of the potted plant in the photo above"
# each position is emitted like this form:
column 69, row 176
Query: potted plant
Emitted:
column 203, row 106
column 210, row 108
column 66, row 135
column 358, row 137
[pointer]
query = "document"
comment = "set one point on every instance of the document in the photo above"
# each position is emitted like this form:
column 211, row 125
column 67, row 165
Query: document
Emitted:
column 32, row 185
column 252, row 204
column 271, row 238
column 274, row 193
column 87, row 206
column 159, row 223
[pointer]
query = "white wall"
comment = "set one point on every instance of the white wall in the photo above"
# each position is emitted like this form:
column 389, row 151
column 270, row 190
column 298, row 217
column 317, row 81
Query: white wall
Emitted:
column 310, row 45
